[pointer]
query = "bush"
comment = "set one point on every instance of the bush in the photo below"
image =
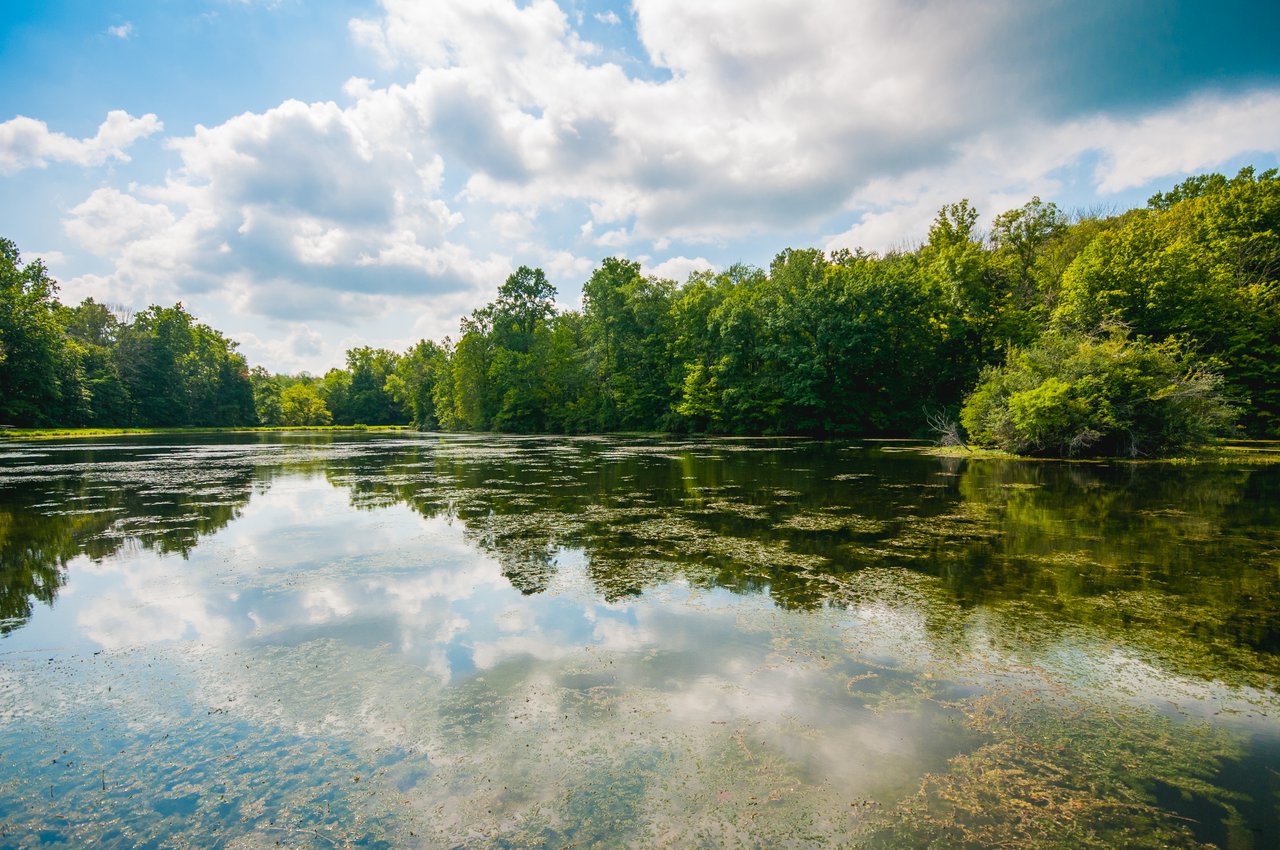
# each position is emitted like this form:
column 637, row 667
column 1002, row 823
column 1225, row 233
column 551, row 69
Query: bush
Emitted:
column 1075, row 395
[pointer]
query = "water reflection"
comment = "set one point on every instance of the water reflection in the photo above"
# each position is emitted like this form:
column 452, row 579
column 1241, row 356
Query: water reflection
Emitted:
column 530, row 642
column 1178, row 561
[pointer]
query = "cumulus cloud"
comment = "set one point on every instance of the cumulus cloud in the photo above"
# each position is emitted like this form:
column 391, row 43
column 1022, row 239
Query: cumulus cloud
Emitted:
column 678, row 268
column 110, row 218
column 1209, row 131
column 150, row 247
column 312, row 209
column 773, row 116
column 998, row 171
column 28, row 143
column 122, row 31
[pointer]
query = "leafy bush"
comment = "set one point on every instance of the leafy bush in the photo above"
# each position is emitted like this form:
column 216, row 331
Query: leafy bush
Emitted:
column 1073, row 395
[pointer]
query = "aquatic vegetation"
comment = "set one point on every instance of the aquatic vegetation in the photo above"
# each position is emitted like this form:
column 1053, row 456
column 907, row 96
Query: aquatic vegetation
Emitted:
column 1065, row 771
column 416, row 640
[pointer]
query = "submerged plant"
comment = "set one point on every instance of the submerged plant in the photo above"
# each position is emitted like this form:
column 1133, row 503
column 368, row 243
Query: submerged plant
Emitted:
column 1064, row 772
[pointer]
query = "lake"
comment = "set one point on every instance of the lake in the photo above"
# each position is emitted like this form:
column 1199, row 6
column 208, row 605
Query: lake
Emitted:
column 404, row 640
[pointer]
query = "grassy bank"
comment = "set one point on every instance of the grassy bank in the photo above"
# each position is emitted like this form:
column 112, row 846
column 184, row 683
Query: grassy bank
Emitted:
column 73, row 433
column 1243, row 451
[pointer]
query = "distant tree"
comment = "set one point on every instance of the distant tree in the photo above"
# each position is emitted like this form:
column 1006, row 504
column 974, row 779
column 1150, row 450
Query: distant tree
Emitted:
column 300, row 404
column 1022, row 238
column 444, row 392
column 472, row 391
column 368, row 400
column 266, row 397
column 695, row 352
column 954, row 225
column 180, row 372
column 412, row 385
column 628, row 321
column 525, row 301
column 570, row 388
column 335, row 389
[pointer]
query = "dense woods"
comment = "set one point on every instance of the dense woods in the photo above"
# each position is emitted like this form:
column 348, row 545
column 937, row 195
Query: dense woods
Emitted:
column 1140, row 333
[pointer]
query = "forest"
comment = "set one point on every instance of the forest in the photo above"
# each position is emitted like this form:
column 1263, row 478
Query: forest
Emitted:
column 1142, row 333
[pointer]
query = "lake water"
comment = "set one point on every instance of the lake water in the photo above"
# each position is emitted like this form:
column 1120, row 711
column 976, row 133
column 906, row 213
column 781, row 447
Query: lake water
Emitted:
column 454, row 641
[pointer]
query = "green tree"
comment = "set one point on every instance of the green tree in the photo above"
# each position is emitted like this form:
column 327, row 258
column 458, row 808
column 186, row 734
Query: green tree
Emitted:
column 266, row 397
column 335, row 389
column 629, row 323
column 412, row 385
column 368, row 399
column 301, row 404
column 472, row 391
column 93, row 331
column 1202, row 266
column 525, row 302
column 694, row 352
column 1026, row 265
column 34, row 362
column 180, row 372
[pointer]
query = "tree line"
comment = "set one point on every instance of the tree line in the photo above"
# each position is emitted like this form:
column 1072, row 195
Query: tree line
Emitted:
column 1138, row 333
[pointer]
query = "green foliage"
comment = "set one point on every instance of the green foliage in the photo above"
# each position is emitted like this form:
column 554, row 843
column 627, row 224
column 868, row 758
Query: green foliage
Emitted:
column 367, row 399
column 1074, row 395
column 266, row 397
column 629, row 325
column 335, row 389
column 36, row 369
column 301, row 404
column 1201, row 266
column 471, row 395
column 93, row 334
column 412, row 385
column 83, row 365
column 851, row 343
column 525, row 302
column 179, row 372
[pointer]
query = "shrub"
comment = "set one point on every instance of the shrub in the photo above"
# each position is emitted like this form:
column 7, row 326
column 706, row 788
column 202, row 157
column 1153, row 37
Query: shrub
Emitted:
column 1076, row 395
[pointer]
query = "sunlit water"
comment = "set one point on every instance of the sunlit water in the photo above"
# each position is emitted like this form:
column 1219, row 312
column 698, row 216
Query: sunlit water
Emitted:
column 513, row 642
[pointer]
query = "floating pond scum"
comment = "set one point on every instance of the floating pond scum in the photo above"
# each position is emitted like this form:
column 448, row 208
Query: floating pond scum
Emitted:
column 401, row 640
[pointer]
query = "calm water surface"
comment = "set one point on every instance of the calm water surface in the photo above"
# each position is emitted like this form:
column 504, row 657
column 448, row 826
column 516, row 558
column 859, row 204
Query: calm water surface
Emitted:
column 450, row 641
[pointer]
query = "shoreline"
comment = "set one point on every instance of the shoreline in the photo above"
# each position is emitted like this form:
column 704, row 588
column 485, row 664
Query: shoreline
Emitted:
column 19, row 434
column 1247, row 450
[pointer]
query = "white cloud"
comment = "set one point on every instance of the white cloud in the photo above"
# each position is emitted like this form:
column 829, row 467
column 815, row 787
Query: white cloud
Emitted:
column 28, row 143
column 998, row 171
column 610, row 17
column 310, row 210
column 109, row 218
column 1209, row 131
column 150, row 247
column 293, row 350
column 52, row 260
column 773, row 115
column 122, row 31
column 678, row 268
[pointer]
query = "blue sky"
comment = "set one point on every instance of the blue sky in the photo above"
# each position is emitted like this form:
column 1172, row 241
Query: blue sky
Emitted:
column 309, row 177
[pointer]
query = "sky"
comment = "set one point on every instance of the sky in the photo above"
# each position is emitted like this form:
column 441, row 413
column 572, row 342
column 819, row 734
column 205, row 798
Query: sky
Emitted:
column 311, row 177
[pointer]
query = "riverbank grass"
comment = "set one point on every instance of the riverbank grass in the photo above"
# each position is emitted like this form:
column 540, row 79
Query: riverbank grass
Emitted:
column 14, row 434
